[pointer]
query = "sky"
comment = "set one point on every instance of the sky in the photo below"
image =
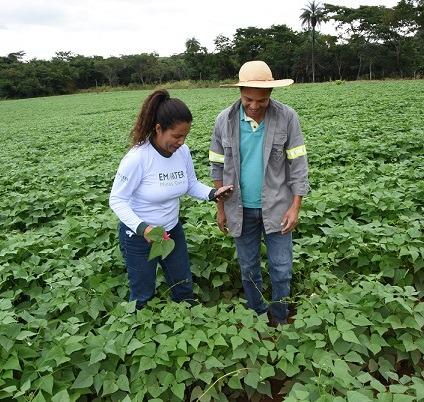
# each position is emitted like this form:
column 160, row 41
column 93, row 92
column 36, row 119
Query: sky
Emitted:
column 121, row 27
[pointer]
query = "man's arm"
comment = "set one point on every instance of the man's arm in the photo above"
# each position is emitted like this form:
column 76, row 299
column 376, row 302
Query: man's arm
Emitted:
column 296, row 158
column 290, row 218
column 297, row 171
column 220, row 213
column 216, row 157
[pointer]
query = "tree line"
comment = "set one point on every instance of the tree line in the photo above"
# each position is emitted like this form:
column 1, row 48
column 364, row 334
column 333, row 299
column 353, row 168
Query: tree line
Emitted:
column 371, row 42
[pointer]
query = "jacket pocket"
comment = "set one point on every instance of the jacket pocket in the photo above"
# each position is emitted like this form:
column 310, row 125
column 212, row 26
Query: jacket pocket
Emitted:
column 277, row 151
column 280, row 138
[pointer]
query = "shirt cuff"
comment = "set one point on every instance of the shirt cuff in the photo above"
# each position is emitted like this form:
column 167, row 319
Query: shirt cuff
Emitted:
column 212, row 195
column 300, row 189
column 141, row 228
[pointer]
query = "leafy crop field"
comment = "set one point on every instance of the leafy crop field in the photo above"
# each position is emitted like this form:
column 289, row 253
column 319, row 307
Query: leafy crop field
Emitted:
column 67, row 332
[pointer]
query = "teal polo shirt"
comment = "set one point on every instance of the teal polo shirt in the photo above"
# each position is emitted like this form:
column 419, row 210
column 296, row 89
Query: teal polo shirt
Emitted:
column 251, row 160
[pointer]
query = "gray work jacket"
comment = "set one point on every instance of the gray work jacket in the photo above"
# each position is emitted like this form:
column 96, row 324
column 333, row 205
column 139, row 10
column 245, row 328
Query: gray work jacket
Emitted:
column 284, row 159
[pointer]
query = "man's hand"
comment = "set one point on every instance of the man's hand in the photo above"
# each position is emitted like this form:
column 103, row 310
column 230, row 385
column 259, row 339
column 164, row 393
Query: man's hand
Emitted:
column 220, row 214
column 222, row 220
column 223, row 193
column 290, row 218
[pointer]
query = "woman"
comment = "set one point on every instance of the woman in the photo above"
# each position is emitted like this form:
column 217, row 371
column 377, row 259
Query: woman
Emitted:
column 151, row 178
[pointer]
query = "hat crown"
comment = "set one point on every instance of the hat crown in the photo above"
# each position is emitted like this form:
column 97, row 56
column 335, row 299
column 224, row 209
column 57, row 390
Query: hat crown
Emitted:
column 255, row 71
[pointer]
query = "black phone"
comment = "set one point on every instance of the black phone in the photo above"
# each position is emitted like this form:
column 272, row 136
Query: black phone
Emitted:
column 228, row 190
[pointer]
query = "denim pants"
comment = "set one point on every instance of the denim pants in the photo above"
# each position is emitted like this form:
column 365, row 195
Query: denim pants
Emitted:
column 142, row 273
column 279, row 252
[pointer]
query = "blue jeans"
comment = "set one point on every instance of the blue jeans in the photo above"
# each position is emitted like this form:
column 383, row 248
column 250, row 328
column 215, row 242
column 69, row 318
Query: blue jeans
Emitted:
column 280, row 260
column 142, row 273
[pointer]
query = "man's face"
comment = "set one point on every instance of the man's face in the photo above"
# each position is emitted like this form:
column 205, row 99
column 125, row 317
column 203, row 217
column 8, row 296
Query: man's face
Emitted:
column 255, row 101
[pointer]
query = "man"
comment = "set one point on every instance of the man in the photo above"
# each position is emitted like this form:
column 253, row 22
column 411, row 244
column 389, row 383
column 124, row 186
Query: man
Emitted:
column 257, row 145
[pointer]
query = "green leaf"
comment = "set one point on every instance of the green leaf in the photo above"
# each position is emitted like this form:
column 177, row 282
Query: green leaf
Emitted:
column 349, row 336
column 46, row 383
column 235, row 383
column 61, row 396
column 220, row 341
column 194, row 342
column 419, row 387
column 212, row 362
column 341, row 372
column 206, row 377
column 398, row 388
column 161, row 247
column 301, row 395
column 123, row 383
column 11, row 364
column 377, row 385
column 333, row 334
column 182, row 375
column 167, row 247
column 109, row 387
column 236, row 341
column 155, row 251
column 343, row 325
column 134, row 345
column 162, row 328
column 355, row 396
column 178, row 390
column 252, row 379
column 25, row 334
column 83, row 380
column 156, row 234
column 195, row 368
column 403, row 398
column 39, row 397
column 165, row 379
column 5, row 304
column 312, row 321
column 96, row 355
column 364, row 377
column 9, row 390
column 353, row 357
column 146, row 363
column 266, row 371
column 264, row 388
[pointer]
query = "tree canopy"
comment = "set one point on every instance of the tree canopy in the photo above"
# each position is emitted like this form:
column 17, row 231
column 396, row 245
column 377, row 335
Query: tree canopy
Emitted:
column 371, row 42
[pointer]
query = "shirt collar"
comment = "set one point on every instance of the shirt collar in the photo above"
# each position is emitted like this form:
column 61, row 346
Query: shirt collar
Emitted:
column 254, row 124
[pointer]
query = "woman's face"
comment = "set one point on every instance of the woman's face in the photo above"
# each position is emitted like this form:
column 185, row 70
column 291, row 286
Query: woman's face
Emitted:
column 171, row 139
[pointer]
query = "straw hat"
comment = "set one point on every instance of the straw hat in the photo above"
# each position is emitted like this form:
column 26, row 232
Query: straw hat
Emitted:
column 257, row 74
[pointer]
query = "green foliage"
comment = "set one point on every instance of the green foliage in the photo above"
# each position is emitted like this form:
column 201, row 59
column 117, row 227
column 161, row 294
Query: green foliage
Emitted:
column 66, row 332
column 162, row 244
column 372, row 42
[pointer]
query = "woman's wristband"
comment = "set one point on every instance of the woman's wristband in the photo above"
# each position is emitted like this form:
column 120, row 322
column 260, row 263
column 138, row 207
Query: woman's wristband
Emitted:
column 212, row 194
column 141, row 228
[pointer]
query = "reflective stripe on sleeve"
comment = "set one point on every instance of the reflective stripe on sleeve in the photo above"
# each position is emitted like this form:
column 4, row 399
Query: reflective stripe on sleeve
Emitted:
column 296, row 152
column 214, row 157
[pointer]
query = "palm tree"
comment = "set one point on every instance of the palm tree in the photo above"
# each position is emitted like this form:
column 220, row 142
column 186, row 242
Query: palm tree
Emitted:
column 312, row 15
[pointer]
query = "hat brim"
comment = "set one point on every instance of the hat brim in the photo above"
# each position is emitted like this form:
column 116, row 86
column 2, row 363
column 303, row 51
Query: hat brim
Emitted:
column 261, row 84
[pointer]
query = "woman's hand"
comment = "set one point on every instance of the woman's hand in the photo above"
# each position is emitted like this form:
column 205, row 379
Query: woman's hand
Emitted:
column 146, row 231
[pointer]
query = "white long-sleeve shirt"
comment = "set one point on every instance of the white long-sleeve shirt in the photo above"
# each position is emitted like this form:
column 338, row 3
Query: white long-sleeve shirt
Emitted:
column 147, row 186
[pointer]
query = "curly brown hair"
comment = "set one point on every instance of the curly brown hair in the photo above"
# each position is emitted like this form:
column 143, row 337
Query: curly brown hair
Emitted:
column 159, row 108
